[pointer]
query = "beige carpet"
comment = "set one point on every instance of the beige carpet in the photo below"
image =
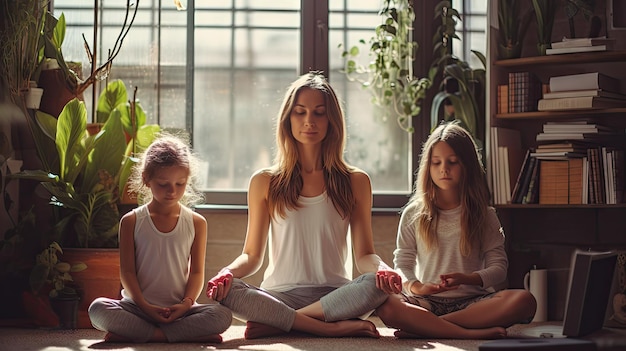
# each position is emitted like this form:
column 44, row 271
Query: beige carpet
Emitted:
column 18, row 339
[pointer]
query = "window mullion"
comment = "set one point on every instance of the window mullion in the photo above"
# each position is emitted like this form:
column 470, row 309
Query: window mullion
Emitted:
column 314, row 36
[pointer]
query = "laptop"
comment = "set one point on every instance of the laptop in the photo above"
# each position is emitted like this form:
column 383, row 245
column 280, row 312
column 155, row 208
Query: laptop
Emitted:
column 588, row 294
column 590, row 281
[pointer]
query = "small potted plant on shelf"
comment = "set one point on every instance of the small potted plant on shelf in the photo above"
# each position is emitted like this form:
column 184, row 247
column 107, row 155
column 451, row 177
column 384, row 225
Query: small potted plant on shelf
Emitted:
column 51, row 275
column 545, row 11
column 512, row 28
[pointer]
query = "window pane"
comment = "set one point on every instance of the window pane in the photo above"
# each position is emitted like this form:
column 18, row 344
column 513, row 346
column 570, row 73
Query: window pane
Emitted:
column 376, row 143
column 224, row 81
column 243, row 64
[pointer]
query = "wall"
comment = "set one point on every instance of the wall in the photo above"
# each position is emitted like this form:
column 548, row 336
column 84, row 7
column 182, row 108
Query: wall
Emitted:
column 227, row 232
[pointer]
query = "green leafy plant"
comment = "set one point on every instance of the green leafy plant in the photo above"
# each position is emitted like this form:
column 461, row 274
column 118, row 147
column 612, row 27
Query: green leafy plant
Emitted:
column 462, row 88
column 21, row 24
column 88, row 172
column 49, row 270
column 389, row 76
column 54, row 34
column 512, row 28
column 545, row 11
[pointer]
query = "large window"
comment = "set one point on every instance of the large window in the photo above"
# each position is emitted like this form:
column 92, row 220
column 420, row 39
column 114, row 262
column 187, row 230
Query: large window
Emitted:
column 219, row 71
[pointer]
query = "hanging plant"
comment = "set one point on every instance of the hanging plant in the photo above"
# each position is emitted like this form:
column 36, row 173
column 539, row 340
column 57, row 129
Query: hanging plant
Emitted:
column 389, row 74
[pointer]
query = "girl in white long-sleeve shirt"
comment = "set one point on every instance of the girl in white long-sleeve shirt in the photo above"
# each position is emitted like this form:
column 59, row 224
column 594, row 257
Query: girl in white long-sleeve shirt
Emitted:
column 450, row 246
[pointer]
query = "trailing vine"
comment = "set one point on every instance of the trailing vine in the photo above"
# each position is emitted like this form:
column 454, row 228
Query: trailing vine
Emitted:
column 389, row 75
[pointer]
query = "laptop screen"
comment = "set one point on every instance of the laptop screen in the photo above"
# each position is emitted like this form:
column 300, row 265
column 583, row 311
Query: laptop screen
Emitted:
column 591, row 276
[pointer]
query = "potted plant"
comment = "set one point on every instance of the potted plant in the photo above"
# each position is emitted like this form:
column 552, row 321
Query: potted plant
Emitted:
column 545, row 11
column 21, row 23
column 389, row 76
column 85, row 179
column 512, row 28
column 53, row 276
column 61, row 79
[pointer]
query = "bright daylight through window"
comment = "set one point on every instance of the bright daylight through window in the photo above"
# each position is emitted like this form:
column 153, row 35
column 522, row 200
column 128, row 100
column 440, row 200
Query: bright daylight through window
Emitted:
column 220, row 72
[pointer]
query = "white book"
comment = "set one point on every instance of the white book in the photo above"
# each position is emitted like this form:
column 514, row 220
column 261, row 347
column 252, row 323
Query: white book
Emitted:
column 579, row 103
column 582, row 42
column 572, row 50
column 605, row 170
column 504, row 175
column 579, row 93
column 584, row 81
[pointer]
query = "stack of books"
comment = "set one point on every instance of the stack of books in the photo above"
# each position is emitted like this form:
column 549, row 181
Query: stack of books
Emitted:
column 568, row 45
column 582, row 91
column 576, row 135
column 562, row 181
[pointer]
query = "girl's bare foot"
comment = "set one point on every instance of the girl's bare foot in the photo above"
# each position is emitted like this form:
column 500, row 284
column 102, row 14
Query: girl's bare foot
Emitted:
column 487, row 333
column 256, row 330
column 354, row 327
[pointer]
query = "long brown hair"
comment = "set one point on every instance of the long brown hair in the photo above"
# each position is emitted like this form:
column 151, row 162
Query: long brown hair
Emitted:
column 286, row 181
column 473, row 188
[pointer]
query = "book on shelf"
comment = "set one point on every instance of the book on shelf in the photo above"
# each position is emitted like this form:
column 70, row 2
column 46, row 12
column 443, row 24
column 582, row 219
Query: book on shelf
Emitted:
column 574, row 127
column 575, row 168
column 586, row 137
column 584, row 81
column 524, row 90
column 585, row 194
column 532, row 191
column 619, row 175
column 579, row 93
column 519, row 186
column 613, row 171
column 578, row 103
column 596, row 177
column 503, row 98
column 558, row 155
column 511, row 140
column 582, row 42
column 571, row 146
column 553, row 182
column 574, row 49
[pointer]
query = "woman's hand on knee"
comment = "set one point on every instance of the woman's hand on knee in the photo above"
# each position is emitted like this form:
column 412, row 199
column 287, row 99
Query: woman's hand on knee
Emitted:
column 389, row 281
column 219, row 286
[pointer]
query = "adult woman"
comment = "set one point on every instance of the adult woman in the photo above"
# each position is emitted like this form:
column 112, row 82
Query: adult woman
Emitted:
column 305, row 204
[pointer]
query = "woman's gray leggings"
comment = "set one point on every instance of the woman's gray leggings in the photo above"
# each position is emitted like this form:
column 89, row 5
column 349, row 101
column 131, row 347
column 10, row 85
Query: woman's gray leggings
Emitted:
column 357, row 299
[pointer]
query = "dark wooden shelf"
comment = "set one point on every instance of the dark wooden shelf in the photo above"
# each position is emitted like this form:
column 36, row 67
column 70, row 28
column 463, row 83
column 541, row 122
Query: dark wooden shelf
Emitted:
column 564, row 206
column 586, row 57
column 564, row 113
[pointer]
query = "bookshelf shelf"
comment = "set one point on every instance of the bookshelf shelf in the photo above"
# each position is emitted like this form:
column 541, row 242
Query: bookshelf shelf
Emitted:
column 561, row 114
column 568, row 206
column 578, row 58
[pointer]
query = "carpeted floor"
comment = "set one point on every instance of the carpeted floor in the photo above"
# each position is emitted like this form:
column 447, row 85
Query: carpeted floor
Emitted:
column 22, row 339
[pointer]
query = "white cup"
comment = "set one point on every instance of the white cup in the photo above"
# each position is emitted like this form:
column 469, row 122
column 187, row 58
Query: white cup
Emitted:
column 536, row 281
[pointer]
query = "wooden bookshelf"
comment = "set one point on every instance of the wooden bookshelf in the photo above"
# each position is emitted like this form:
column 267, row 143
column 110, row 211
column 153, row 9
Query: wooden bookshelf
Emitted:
column 547, row 234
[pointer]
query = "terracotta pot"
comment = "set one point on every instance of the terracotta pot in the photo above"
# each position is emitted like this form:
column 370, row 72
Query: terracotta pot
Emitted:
column 100, row 279
column 55, row 92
